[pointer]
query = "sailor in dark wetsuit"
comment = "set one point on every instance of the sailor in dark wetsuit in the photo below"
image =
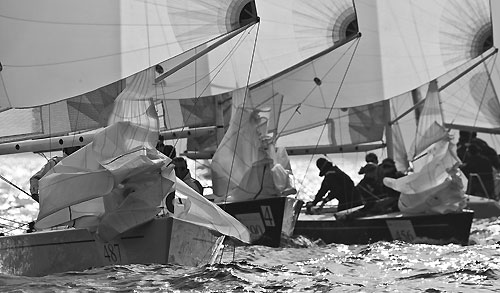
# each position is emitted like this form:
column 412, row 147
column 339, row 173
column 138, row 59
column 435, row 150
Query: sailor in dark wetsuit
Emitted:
column 337, row 184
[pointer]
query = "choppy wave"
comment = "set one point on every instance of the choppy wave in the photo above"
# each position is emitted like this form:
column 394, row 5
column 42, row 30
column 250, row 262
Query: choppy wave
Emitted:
column 378, row 267
column 301, row 265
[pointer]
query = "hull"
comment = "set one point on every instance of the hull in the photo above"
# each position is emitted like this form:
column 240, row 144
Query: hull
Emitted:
column 162, row 241
column 269, row 220
column 431, row 229
column 483, row 207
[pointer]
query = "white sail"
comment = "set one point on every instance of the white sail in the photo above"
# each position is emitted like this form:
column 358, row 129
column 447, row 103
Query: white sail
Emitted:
column 81, row 113
column 430, row 128
column 57, row 49
column 288, row 32
column 399, row 50
column 120, row 179
column 437, row 186
column 470, row 95
column 246, row 164
column 115, row 183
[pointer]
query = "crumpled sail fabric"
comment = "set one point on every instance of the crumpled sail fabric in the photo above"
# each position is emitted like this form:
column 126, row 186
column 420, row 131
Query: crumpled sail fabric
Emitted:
column 437, row 186
column 112, row 164
column 115, row 186
column 246, row 165
column 195, row 208
column 430, row 125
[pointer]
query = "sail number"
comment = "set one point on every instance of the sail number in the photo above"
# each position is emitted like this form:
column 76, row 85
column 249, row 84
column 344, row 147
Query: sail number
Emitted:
column 112, row 252
column 267, row 216
column 402, row 230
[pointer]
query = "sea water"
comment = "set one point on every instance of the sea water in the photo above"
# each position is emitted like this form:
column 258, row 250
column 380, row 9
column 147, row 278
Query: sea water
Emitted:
column 300, row 265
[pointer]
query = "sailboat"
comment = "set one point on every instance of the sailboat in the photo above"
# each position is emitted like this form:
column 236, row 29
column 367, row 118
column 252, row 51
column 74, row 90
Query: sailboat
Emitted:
column 104, row 204
column 251, row 179
column 344, row 83
column 349, row 91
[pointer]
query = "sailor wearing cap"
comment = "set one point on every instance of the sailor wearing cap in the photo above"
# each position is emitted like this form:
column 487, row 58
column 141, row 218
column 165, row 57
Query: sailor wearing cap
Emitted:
column 337, row 184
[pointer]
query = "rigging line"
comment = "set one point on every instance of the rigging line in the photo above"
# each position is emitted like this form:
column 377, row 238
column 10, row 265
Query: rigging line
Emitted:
column 204, row 51
column 316, row 86
column 261, row 182
column 14, row 185
column 9, row 220
column 220, row 66
column 6, row 228
column 482, row 62
column 243, row 107
column 12, row 228
column 483, row 97
column 331, row 108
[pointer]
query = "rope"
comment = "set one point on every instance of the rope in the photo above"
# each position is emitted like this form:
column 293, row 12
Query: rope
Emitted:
column 14, row 185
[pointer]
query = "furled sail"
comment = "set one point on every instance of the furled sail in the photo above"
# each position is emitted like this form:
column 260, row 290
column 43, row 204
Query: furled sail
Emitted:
column 97, row 43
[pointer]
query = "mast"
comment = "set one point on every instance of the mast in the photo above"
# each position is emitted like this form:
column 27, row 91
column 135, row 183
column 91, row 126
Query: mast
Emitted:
column 219, row 119
column 416, row 103
column 388, row 130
